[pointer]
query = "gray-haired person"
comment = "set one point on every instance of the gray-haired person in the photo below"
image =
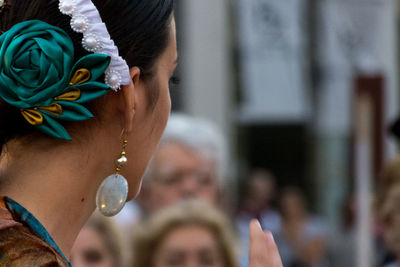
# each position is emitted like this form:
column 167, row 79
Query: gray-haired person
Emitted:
column 190, row 162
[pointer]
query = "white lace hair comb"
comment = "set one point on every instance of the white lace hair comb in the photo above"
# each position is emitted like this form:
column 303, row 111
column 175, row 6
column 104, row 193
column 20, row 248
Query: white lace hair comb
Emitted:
column 85, row 19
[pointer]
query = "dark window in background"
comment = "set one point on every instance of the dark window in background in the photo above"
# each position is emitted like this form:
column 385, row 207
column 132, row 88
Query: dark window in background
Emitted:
column 281, row 149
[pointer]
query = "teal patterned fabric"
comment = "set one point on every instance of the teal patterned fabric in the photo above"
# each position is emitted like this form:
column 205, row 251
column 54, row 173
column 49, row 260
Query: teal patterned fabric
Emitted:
column 25, row 217
column 37, row 66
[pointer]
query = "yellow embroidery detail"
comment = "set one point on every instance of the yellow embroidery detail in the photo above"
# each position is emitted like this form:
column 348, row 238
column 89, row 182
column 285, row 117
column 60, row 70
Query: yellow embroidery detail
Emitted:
column 54, row 109
column 70, row 95
column 33, row 116
column 80, row 76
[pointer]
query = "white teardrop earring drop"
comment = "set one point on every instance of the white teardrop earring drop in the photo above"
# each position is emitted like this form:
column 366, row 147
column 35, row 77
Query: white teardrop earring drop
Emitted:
column 113, row 191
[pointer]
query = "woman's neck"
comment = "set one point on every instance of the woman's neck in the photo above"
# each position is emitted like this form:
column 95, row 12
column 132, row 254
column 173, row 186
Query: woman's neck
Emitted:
column 58, row 187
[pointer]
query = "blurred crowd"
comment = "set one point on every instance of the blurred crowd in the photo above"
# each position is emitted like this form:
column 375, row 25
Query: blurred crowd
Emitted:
column 185, row 216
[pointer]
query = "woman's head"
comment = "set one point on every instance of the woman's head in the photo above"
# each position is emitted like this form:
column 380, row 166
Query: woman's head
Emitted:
column 389, row 215
column 189, row 234
column 389, row 177
column 292, row 203
column 97, row 245
column 144, row 32
column 386, row 204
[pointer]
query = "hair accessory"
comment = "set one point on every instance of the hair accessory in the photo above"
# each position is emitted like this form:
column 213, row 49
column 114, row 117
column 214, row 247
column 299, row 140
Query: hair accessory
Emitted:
column 38, row 76
column 91, row 43
column 86, row 20
column 113, row 191
column 79, row 24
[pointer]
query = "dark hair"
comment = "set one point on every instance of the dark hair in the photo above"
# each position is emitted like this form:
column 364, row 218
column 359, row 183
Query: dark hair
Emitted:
column 140, row 29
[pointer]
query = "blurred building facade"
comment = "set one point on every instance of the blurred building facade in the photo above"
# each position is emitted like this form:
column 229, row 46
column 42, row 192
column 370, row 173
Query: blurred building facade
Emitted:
column 280, row 79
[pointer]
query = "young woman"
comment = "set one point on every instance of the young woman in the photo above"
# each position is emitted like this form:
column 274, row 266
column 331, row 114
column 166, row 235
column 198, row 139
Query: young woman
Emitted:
column 191, row 233
column 98, row 244
column 82, row 83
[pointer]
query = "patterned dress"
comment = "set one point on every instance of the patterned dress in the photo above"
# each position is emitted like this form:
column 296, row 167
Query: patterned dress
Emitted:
column 24, row 241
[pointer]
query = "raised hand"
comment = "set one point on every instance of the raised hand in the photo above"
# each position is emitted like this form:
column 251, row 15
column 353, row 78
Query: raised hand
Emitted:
column 263, row 250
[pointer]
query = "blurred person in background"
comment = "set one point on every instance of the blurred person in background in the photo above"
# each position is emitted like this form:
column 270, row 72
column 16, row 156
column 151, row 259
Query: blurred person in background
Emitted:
column 389, row 215
column 189, row 163
column 390, row 176
column 302, row 237
column 191, row 233
column 342, row 242
column 98, row 244
column 257, row 202
column 388, row 212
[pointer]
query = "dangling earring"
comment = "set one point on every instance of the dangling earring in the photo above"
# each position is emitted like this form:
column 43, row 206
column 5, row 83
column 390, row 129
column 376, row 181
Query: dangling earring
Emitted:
column 113, row 191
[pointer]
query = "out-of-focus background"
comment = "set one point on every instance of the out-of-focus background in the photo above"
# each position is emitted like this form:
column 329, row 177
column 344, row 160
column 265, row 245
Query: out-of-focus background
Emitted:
column 300, row 100
column 282, row 80
column 288, row 82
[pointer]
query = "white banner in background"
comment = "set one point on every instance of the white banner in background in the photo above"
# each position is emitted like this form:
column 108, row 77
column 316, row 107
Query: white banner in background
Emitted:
column 273, row 66
column 354, row 36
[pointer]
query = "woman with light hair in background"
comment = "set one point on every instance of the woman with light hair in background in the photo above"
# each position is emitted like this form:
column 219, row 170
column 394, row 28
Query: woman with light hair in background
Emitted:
column 388, row 209
column 98, row 244
column 191, row 233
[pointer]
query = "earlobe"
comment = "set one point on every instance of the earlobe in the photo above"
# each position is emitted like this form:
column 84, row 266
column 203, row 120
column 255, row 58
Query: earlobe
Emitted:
column 129, row 99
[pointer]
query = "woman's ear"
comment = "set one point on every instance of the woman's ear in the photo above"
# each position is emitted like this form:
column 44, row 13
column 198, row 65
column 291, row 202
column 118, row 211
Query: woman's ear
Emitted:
column 129, row 99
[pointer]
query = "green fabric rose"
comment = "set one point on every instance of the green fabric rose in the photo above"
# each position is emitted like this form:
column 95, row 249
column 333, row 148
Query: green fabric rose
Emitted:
column 38, row 76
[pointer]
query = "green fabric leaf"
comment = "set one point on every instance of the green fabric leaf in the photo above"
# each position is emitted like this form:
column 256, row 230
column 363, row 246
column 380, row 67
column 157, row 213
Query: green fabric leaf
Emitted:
column 72, row 112
column 90, row 86
column 53, row 128
column 87, row 96
column 95, row 63
column 90, row 91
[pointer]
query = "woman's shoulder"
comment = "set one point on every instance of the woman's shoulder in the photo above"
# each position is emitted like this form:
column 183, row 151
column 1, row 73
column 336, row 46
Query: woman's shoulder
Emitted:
column 20, row 247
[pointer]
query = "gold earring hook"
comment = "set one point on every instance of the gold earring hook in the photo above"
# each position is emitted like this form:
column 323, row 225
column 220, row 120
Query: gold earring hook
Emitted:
column 122, row 160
